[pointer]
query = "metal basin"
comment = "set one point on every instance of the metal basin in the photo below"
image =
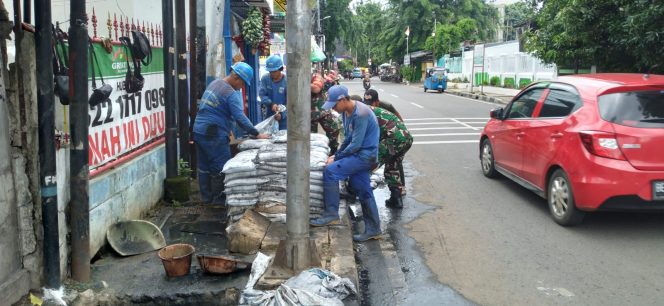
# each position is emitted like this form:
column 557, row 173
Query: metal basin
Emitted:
column 135, row 237
column 220, row 264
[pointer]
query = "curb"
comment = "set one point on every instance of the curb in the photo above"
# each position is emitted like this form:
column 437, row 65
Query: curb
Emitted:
column 475, row 96
column 478, row 97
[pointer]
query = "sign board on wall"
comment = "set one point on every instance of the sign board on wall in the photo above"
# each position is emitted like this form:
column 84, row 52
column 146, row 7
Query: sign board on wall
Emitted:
column 125, row 121
column 478, row 55
column 280, row 6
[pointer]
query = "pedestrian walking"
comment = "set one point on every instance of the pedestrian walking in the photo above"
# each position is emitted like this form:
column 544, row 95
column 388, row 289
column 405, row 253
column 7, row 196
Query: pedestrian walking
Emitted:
column 328, row 119
column 272, row 89
column 354, row 160
column 395, row 141
column 366, row 82
column 221, row 105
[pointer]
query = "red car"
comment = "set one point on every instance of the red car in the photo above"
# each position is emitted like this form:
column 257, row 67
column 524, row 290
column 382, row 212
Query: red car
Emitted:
column 584, row 143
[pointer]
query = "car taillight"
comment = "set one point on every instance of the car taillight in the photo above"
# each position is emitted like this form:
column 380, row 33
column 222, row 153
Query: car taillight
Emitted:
column 601, row 144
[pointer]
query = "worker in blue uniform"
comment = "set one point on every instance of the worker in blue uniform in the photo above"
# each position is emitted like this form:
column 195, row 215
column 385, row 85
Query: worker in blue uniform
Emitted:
column 354, row 160
column 272, row 90
column 221, row 105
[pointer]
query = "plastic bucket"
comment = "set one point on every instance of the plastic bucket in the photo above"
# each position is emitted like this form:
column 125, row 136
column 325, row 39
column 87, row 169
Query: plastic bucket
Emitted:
column 177, row 259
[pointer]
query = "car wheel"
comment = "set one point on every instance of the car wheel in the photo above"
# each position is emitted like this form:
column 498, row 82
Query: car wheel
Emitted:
column 561, row 200
column 488, row 163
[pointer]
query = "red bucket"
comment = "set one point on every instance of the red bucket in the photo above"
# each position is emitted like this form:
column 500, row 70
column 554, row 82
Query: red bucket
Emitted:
column 177, row 259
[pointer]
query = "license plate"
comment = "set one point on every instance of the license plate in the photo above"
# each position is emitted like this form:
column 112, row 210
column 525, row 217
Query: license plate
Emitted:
column 658, row 190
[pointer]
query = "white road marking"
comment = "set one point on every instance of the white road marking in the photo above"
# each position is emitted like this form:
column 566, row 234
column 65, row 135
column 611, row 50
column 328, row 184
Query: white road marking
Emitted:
column 556, row 292
column 464, row 124
column 446, row 142
column 415, row 104
column 445, row 118
column 393, row 95
column 446, row 134
column 437, row 123
column 380, row 89
column 442, row 128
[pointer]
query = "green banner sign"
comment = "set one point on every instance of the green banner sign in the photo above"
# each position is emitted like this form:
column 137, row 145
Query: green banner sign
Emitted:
column 114, row 64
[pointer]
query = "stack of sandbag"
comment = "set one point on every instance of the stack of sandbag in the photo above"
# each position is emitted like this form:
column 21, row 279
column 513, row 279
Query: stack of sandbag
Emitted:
column 273, row 158
column 241, row 181
column 256, row 177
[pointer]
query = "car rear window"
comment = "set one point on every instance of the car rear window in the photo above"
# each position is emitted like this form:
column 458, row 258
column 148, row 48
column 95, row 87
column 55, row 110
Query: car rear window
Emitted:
column 643, row 109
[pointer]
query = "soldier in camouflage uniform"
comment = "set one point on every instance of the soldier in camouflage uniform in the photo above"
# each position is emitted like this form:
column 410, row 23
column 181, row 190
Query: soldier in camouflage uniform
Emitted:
column 326, row 118
column 395, row 141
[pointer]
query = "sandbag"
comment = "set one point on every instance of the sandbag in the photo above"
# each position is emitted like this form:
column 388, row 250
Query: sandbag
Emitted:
column 251, row 144
column 242, row 162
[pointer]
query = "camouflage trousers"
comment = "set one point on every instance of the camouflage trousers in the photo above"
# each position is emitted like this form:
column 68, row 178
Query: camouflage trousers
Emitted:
column 391, row 153
column 331, row 125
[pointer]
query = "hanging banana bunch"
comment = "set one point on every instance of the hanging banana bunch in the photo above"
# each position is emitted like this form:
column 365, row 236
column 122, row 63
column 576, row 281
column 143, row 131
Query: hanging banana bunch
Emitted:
column 252, row 28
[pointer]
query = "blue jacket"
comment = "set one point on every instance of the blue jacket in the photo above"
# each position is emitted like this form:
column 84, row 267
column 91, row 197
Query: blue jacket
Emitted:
column 220, row 106
column 273, row 93
column 362, row 134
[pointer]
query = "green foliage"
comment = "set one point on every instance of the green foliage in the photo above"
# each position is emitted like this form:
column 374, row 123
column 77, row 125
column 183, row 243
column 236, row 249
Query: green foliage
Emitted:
column 407, row 72
column 338, row 25
column 345, row 65
column 524, row 82
column 450, row 36
column 614, row 35
column 378, row 30
column 183, row 168
column 519, row 15
column 252, row 27
column 495, row 81
column 509, row 83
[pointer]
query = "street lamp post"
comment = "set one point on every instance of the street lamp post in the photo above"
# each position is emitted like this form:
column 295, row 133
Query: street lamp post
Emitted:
column 433, row 34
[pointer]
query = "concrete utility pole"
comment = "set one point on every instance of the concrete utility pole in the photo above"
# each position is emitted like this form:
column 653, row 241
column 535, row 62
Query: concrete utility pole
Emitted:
column 297, row 252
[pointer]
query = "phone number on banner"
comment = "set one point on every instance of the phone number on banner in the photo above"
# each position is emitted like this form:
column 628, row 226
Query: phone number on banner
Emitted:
column 126, row 121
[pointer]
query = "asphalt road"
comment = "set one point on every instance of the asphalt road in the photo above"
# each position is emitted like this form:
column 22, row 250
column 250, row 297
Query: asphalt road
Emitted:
column 463, row 238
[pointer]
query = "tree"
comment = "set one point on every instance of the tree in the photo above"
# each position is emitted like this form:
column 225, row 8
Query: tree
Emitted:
column 613, row 35
column 449, row 36
column 338, row 24
column 380, row 30
column 518, row 18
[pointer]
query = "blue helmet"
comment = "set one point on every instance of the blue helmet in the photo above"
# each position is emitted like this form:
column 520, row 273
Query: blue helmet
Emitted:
column 243, row 70
column 273, row 63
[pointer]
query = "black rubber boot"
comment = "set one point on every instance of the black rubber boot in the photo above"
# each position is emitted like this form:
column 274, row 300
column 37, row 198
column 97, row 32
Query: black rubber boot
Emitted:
column 217, row 187
column 333, row 150
column 350, row 197
column 395, row 200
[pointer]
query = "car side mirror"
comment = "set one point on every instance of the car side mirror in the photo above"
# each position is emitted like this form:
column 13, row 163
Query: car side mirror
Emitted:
column 496, row 113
